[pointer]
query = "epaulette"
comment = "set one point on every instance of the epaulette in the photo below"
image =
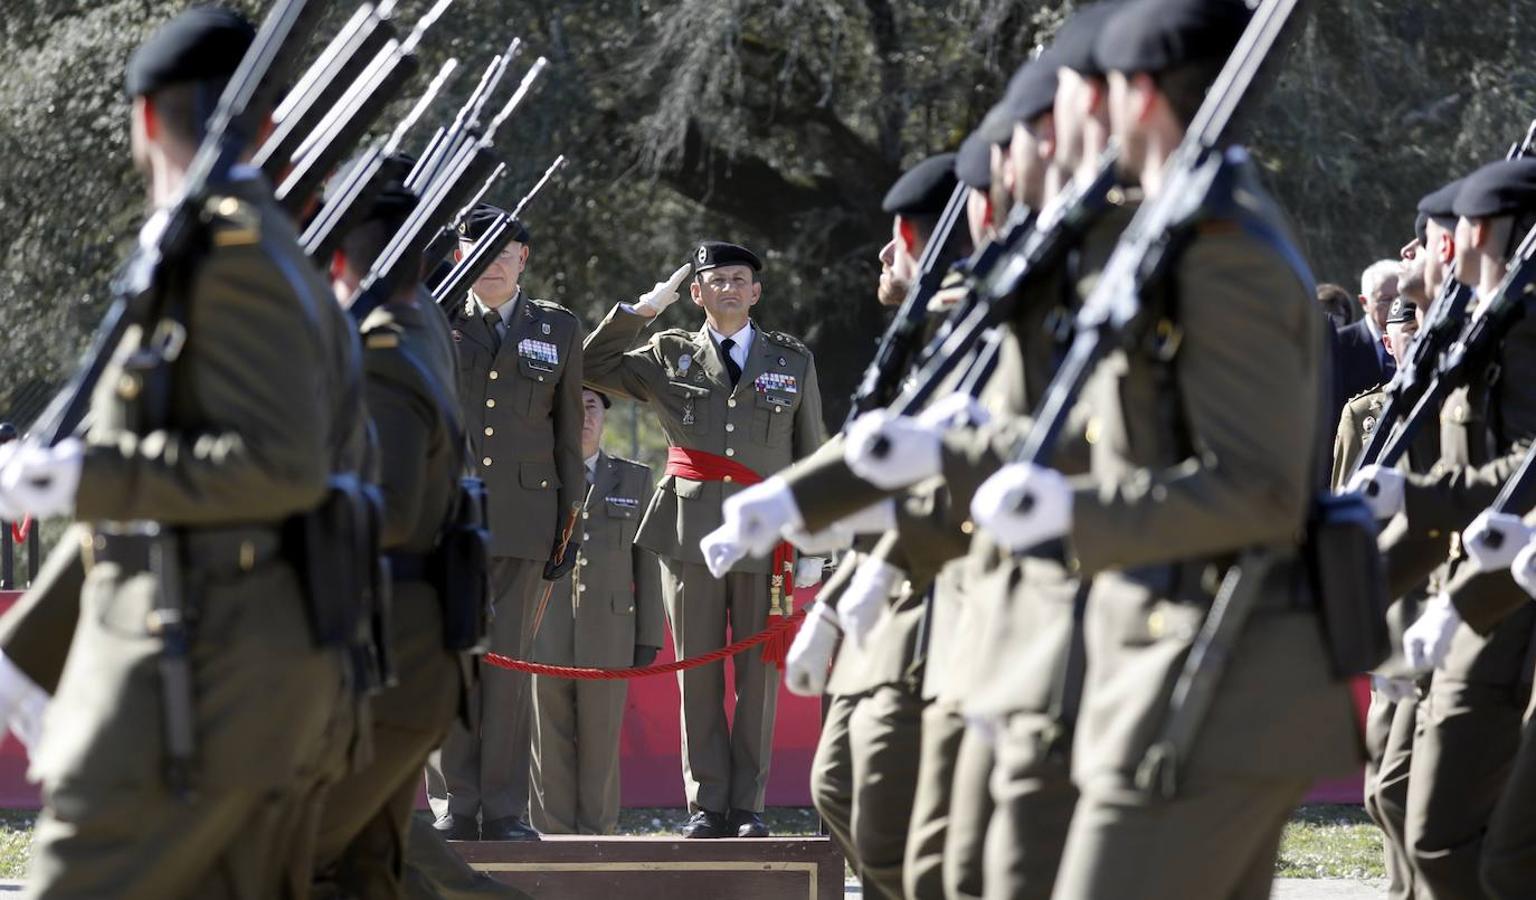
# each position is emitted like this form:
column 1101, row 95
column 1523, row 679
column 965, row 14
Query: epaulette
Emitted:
column 793, row 343
column 381, row 340
column 625, row 461
column 381, row 331
column 681, row 333
column 1374, row 389
column 552, row 305
column 234, row 222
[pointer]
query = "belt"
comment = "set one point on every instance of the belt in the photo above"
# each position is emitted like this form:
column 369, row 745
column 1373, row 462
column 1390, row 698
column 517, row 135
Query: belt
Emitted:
column 211, row 551
column 1197, row 580
column 407, row 566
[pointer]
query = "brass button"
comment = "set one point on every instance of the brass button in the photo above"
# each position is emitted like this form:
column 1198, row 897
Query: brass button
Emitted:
column 229, row 206
column 729, row 427
column 581, row 588
column 486, row 461
column 585, row 536
column 731, row 403
column 583, row 560
column 967, row 527
column 585, row 516
column 541, row 377
column 489, row 431
column 495, row 374
column 728, row 479
column 247, row 556
column 1434, row 532
column 543, row 484
column 490, row 404
column 730, row 451
column 630, row 608
column 778, row 409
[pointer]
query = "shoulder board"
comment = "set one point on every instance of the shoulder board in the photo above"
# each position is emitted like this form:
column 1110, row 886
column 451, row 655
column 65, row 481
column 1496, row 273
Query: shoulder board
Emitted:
column 552, row 306
column 234, row 222
column 1375, row 389
column 782, row 339
column 381, row 340
column 631, row 464
column 681, row 334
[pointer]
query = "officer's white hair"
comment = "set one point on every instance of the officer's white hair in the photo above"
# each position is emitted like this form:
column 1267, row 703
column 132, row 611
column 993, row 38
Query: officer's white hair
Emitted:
column 1379, row 273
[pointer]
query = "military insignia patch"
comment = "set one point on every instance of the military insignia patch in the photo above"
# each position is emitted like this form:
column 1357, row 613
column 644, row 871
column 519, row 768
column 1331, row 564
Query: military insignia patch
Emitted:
column 541, row 355
column 783, row 362
column 702, row 256
column 544, row 326
column 624, row 502
column 1368, row 424
column 777, row 387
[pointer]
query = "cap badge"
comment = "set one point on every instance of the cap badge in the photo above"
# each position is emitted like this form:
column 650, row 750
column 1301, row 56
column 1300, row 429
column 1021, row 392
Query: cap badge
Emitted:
column 702, row 256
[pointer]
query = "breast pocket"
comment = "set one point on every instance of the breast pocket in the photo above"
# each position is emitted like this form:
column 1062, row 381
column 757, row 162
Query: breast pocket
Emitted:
column 623, row 514
column 773, row 418
column 688, row 406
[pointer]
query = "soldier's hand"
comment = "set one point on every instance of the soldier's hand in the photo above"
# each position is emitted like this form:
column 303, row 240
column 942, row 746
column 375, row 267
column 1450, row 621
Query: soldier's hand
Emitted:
column 1428, row 640
column 654, row 302
column 645, row 654
column 752, row 522
column 805, row 667
column 41, row 481
column 1381, row 487
column 1023, row 505
column 22, row 703
column 808, row 571
column 1394, row 690
column 1524, row 569
column 871, row 586
column 891, row 451
column 560, row 565
column 1493, row 540
column 825, row 542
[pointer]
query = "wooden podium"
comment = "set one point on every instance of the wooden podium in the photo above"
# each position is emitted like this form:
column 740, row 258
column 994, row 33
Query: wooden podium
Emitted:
column 645, row 868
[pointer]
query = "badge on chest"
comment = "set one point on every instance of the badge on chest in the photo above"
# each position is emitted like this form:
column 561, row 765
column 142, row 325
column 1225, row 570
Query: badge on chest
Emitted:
column 541, row 355
column 778, row 388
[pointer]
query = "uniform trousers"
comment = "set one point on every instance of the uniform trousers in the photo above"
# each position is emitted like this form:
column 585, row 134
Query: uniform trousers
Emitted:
column 486, row 771
column 885, row 736
column 575, row 775
column 1509, row 851
column 1033, row 799
column 361, row 848
column 832, row 775
column 1389, row 748
column 970, row 812
column 946, row 838
column 725, row 764
column 1466, row 738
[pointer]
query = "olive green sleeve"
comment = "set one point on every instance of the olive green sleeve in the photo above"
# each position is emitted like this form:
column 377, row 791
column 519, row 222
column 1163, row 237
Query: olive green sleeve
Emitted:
column 37, row 631
column 1346, row 449
column 568, row 415
column 258, row 383
column 650, row 621
column 1484, row 599
column 404, row 418
column 825, row 489
column 810, row 428
column 609, row 365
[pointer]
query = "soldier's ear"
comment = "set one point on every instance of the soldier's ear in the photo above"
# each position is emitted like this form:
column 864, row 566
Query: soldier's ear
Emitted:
column 694, row 291
column 458, row 254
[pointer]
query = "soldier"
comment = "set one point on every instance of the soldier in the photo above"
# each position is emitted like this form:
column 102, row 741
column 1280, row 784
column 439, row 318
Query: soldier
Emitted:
column 737, row 403
column 411, row 401
column 1361, row 413
column 520, row 385
column 1160, row 518
column 245, row 440
column 607, row 615
column 1476, row 633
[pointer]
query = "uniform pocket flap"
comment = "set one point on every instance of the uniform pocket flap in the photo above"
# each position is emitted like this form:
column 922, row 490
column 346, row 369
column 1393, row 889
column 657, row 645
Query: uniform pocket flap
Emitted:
column 538, row 476
column 687, row 488
column 683, row 389
column 622, row 507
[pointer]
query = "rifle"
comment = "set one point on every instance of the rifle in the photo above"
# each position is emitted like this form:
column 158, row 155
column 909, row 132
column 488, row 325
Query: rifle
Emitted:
column 172, row 239
column 362, row 182
column 1447, row 315
column 322, row 85
column 465, row 128
column 489, row 246
column 447, row 237
column 354, row 114
column 1472, row 351
column 444, row 196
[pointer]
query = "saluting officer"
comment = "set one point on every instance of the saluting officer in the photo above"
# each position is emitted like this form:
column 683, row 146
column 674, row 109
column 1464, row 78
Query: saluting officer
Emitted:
column 251, row 419
column 520, row 387
column 738, row 403
column 607, row 615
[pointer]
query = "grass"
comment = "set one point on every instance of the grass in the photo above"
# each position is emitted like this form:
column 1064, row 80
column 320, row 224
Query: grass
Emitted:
column 1319, row 842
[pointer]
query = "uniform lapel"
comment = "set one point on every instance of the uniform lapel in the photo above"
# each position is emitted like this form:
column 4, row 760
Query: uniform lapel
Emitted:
column 708, row 355
column 606, row 478
column 519, row 325
column 758, row 361
column 472, row 326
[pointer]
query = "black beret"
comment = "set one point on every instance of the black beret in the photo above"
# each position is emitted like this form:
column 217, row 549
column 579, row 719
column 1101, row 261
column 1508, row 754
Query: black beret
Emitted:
column 472, row 227
column 1072, row 47
column 1421, row 228
column 1400, row 311
column 1153, row 35
column 1440, row 203
column 714, row 254
column 1503, row 188
column 393, row 204
column 1031, row 92
column 924, row 189
column 973, row 164
column 205, row 43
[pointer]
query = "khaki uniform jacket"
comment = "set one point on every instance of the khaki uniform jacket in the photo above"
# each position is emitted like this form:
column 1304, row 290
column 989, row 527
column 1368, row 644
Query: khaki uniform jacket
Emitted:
column 1357, row 423
column 612, row 601
column 769, row 420
column 522, row 411
column 1195, row 458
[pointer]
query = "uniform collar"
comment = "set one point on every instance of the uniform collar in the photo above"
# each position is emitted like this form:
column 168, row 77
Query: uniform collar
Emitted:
column 506, row 310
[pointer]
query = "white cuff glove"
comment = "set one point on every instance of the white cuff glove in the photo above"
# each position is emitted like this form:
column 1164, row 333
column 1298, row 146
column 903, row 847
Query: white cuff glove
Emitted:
column 1394, row 690
column 1382, row 488
column 753, row 522
column 863, row 600
column 655, row 301
column 805, row 667
column 41, row 481
column 1524, row 569
column 955, row 411
column 1023, row 505
column 893, row 452
column 1494, row 539
column 1428, row 640
column 22, row 703
column 808, row 571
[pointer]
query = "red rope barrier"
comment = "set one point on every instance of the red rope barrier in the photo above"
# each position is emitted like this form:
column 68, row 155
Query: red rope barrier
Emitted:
column 20, row 530
column 584, row 674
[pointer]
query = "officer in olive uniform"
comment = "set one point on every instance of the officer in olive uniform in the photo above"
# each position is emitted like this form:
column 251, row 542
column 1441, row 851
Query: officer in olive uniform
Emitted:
column 1477, row 631
column 1357, row 422
column 412, row 404
column 608, row 615
column 1158, row 523
column 737, row 403
column 520, row 371
column 261, row 433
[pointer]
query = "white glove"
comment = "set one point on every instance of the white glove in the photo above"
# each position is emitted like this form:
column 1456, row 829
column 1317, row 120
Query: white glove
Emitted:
column 1023, row 505
column 1394, row 690
column 1524, row 569
column 1494, row 539
column 955, row 411
column 808, row 571
column 1382, row 488
column 753, row 522
column 654, row 302
column 893, row 451
column 8, row 509
column 22, row 703
column 805, row 667
column 862, row 601
column 1428, row 640
column 41, row 481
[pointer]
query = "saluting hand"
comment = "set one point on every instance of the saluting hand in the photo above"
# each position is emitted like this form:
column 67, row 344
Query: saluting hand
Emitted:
column 1493, row 540
column 655, row 301
column 1024, row 505
column 805, row 667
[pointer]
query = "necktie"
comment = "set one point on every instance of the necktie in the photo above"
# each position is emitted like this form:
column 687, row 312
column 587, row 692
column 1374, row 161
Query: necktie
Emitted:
column 731, row 369
column 495, row 324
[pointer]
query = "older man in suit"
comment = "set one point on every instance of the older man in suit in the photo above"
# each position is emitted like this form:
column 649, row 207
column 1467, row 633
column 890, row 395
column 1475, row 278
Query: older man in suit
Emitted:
column 1361, row 360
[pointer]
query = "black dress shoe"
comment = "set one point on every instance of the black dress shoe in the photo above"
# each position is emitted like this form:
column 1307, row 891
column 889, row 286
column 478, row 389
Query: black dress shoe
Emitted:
column 457, row 828
column 706, row 824
column 748, row 824
column 510, row 828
